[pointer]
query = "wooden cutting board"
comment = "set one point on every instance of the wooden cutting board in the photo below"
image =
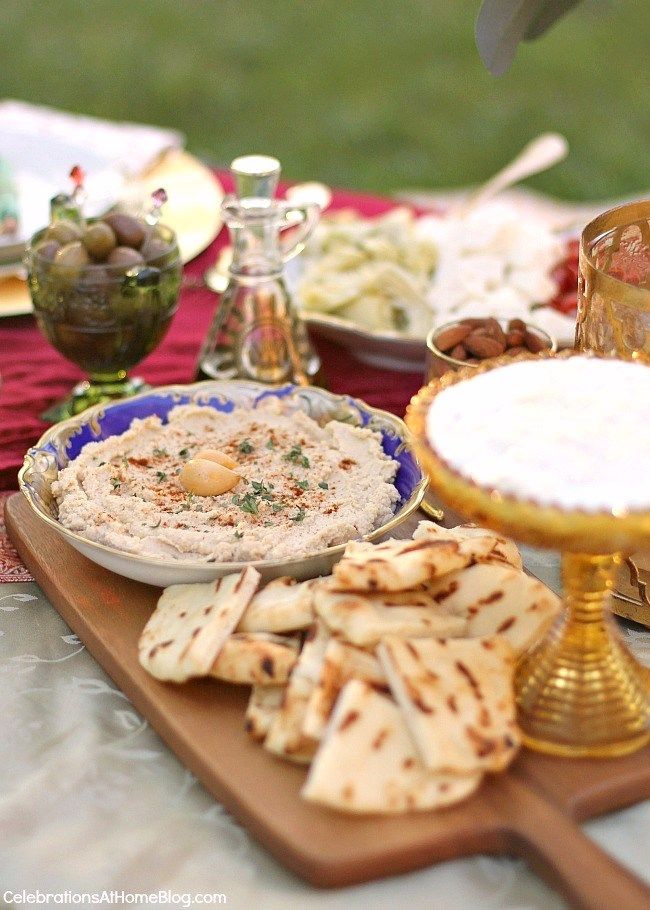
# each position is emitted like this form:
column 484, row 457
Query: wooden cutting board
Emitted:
column 531, row 811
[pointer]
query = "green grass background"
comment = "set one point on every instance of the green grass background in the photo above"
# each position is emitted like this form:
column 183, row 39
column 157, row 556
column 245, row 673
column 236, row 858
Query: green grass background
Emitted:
column 373, row 94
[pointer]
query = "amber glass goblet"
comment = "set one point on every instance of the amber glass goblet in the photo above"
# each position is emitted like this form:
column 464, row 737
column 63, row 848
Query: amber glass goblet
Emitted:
column 614, row 306
column 614, row 284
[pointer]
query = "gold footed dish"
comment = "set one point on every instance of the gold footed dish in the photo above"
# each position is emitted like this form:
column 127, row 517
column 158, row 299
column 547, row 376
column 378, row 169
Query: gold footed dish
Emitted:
column 580, row 692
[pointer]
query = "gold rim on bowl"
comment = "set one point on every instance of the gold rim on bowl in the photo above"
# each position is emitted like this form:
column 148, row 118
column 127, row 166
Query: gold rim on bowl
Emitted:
column 619, row 217
column 533, row 523
column 92, row 413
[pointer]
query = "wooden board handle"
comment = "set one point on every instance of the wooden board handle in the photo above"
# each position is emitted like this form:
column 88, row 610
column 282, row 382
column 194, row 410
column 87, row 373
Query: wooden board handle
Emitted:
column 554, row 846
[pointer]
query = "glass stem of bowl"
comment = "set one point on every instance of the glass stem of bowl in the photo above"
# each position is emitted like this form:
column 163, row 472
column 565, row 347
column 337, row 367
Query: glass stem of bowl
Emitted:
column 118, row 377
column 580, row 691
column 106, row 386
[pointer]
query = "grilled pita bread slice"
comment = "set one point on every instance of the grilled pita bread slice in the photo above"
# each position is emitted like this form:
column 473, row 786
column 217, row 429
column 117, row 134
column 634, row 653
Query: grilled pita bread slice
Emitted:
column 284, row 605
column 523, row 614
column 256, row 658
column 503, row 549
column 190, row 624
column 504, row 552
column 363, row 619
column 285, row 736
column 263, row 705
column 367, row 761
column 498, row 599
column 401, row 565
column 457, row 700
column 342, row 662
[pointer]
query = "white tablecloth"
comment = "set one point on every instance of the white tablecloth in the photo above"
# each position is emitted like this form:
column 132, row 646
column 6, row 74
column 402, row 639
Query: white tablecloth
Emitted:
column 91, row 799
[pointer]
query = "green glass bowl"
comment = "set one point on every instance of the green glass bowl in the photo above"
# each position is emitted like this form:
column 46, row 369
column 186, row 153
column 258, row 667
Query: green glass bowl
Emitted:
column 104, row 318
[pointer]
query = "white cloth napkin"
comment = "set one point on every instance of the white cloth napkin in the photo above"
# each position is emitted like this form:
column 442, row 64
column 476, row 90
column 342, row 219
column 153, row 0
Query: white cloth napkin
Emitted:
column 41, row 145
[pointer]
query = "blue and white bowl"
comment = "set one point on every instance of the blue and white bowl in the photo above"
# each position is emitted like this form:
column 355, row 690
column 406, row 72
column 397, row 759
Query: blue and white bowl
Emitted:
column 63, row 442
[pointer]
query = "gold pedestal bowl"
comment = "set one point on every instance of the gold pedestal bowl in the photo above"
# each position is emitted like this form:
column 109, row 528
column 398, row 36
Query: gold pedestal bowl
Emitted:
column 580, row 692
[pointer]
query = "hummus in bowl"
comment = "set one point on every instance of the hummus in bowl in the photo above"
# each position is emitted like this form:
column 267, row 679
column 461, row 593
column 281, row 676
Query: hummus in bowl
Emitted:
column 313, row 471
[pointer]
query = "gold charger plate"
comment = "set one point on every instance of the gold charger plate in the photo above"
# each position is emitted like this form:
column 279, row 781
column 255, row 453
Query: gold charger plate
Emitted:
column 14, row 297
column 193, row 211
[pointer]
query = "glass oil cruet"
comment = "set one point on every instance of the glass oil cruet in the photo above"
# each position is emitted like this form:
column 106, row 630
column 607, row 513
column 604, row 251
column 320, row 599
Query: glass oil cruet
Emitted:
column 256, row 332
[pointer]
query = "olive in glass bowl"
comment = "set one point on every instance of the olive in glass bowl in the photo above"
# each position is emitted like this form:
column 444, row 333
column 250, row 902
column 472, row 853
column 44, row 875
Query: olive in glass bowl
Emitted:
column 104, row 294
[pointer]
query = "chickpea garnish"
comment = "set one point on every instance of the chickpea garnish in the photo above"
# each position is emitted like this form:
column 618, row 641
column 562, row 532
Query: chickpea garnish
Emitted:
column 206, row 477
column 218, row 457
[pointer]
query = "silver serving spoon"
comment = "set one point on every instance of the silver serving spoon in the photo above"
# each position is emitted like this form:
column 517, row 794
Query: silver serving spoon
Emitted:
column 539, row 155
column 216, row 277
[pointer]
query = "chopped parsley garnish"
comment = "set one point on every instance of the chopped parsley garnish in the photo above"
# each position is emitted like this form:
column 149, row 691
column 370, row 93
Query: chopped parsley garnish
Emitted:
column 295, row 456
column 277, row 507
column 184, row 453
column 324, row 485
column 156, row 525
column 161, row 476
column 268, row 524
column 247, row 503
column 116, row 482
column 239, row 535
column 246, row 447
column 300, row 514
column 303, row 484
column 270, row 444
column 261, row 490
column 188, row 502
column 160, row 453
